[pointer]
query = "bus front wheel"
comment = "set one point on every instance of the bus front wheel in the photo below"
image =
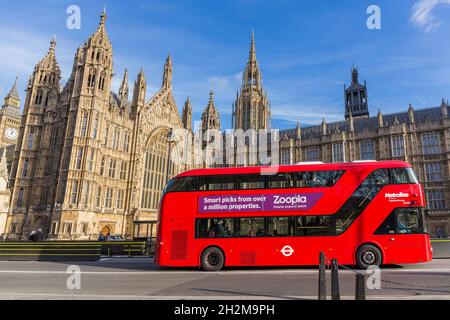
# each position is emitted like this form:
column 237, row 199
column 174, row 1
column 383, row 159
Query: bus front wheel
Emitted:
column 368, row 255
column 212, row 259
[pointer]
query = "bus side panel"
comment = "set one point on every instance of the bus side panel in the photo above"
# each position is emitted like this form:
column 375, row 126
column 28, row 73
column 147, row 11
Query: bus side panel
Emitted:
column 406, row 248
column 177, row 244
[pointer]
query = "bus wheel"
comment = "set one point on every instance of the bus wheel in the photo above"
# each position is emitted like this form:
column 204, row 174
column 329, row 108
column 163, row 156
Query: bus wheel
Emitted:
column 212, row 259
column 368, row 255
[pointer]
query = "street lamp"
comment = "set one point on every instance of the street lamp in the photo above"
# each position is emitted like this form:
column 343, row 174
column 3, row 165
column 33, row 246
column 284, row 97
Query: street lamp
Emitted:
column 170, row 140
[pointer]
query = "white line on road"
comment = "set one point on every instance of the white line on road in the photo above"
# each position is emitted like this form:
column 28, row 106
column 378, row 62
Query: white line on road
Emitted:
column 238, row 272
column 224, row 297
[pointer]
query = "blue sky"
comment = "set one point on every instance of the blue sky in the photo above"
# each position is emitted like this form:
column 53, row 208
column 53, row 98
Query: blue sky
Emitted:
column 305, row 49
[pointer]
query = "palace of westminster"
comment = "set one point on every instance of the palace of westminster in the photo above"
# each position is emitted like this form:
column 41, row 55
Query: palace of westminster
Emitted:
column 81, row 159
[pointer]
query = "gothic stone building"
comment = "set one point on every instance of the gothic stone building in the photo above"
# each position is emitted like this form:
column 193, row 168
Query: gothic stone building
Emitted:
column 420, row 137
column 88, row 159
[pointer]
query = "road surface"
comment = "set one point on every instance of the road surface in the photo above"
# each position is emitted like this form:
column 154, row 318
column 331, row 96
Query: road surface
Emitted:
column 139, row 278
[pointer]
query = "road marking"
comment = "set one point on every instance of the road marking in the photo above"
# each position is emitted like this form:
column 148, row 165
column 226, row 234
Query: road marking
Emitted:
column 224, row 297
column 231, row 272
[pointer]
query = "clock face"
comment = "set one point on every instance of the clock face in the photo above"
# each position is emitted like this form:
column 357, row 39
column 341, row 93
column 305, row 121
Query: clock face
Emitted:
column 11, row 133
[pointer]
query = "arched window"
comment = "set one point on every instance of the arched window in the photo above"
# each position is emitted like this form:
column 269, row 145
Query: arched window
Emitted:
column 105, row 142
column 30, row 139
column 100, row 82
column 38, row 99
column 84, row 124
column 91, row 79
column 126, row 141
column 47, row 98
column 25, row 168
column 102, row 166
column 94, row 134
column 156, row 166
column 79, row 158
column 20, row 198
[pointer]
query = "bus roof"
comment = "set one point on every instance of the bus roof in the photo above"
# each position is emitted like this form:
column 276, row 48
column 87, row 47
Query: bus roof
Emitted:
column 304, row 166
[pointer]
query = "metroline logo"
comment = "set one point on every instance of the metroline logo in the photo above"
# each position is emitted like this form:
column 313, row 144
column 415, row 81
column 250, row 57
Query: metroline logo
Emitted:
column 396, row 195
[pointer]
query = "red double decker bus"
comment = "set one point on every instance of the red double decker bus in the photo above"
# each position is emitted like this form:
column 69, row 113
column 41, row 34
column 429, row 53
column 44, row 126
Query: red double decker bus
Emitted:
column 361, row 213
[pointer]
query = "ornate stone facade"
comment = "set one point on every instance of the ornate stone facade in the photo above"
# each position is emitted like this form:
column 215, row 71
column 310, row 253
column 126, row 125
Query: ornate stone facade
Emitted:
column 420, row 137
column 88, row 159
column 251, row 110
column 10, row 117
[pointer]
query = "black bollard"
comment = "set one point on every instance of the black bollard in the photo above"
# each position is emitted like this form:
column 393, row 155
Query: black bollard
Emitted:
column 322, row 279
column 360, row 287
column 335, row 295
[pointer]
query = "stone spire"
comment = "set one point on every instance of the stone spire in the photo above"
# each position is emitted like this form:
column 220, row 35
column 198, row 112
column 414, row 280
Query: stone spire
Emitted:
column 411, row 113
column 167, row 77
column 380, row 119
column 324, row 126
column 12, row 98
column 210, row 117
column 100, row 36
column 139, row 90
column 187, row 115
column 14, row 92
column 252, row 74
column 354, row 74
column 124, row 89
column 351, row 126
column 252, row 53
column 251, row 109
column 355, row 97
column 444, row 108
column 49, row 60
column 298, row 130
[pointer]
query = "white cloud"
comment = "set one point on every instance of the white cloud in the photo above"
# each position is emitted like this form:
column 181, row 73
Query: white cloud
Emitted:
column 225, row 83
column 422, row 14
column 306, row 113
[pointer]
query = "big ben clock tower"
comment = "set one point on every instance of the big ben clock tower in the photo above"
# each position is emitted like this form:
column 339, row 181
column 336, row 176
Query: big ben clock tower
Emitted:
column 10, row 117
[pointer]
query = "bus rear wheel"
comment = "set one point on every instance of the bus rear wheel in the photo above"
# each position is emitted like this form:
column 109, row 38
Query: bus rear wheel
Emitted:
column 212, row 259
column 368, row 255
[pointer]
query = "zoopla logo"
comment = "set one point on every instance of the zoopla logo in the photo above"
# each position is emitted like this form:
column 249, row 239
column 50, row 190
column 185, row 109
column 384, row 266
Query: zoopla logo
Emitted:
column 290, row 200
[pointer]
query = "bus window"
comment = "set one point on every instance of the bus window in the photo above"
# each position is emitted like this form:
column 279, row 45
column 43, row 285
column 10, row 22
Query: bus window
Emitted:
column 379, row 177
column 399, row 176
column 251, row 227
column 388, row 226
column 279, row 227
column 301, row 179
column 402, row 221
column 314, row 226
column 325, row 178
column 181, row 184
column 409, row 220
column 215, row 228
column 223, row 182
column 281, row 180
column 251, row 181
column 317, row 179
column 412, row 176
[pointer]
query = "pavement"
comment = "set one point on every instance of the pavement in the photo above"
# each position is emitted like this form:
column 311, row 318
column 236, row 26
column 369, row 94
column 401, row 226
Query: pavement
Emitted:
column 441, row 248
column 139, row 278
